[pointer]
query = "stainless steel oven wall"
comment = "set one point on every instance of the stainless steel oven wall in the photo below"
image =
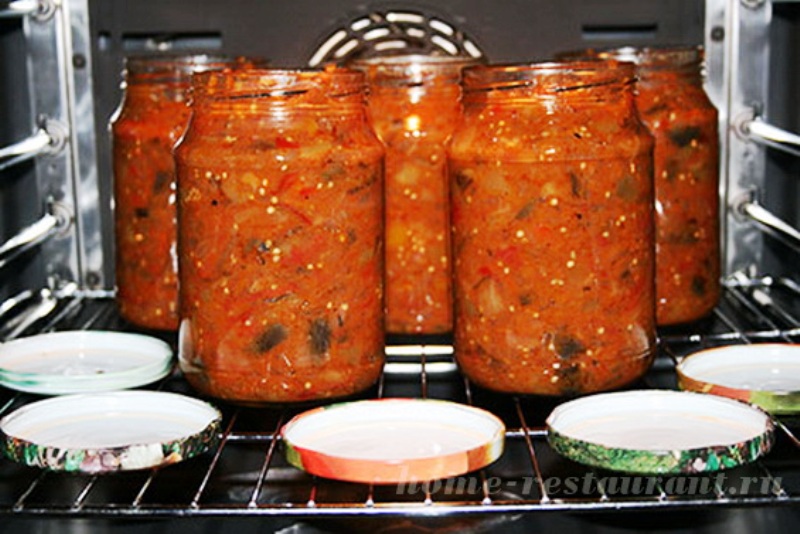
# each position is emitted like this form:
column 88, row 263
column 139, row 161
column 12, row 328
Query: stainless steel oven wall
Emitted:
column 50, row 236
column 752, row 52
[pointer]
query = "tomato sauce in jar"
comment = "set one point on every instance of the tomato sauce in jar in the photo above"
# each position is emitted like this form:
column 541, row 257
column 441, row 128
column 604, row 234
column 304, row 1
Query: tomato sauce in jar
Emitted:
column 675, row 108
column 147, row 124
column 280, row 209
column 414, row 106
column 553, row 245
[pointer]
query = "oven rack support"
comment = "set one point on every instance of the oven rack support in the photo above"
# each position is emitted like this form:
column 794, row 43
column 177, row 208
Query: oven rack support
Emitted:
column 770, row 223
column 737, row 58
column 738, row 52
column 770, row 135
column 40, row 9
column 62, row 146
column 38, row 143
column 30, row 236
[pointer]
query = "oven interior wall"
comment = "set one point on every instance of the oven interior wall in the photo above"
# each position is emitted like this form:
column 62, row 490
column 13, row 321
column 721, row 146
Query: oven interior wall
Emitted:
column 20, row 203
column 782, row 184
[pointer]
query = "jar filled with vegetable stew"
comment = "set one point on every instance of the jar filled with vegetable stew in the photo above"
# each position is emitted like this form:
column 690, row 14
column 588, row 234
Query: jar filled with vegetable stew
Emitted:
column 414, row 106
column 553, row 245
column 675, row 108
column 280, row 204
column 150, row 119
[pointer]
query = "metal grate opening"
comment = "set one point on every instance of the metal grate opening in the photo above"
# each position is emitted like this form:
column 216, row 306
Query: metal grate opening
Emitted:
column 247, row 474
column 394, row 32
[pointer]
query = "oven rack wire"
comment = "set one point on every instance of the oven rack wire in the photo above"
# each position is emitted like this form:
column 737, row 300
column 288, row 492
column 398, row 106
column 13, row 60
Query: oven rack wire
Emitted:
column 247, row 475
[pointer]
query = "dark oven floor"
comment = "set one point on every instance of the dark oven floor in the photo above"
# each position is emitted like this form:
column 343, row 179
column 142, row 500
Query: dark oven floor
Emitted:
column 246, row 484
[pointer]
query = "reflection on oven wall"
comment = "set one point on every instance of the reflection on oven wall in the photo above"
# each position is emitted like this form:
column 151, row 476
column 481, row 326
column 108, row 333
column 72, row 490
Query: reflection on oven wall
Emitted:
column 294, row 34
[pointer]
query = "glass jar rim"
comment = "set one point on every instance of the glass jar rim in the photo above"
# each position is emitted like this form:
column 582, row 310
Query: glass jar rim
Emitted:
column 409, row 59
column 646, row 57
column 186, row 64
column 278, row 83
column 584, row 74
column 413, row 70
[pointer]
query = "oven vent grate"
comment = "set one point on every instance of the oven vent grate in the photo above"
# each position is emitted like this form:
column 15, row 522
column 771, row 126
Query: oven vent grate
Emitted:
column 394, row 32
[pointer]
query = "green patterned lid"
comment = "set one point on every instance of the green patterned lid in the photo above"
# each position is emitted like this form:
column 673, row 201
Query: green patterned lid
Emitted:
column 659, row 431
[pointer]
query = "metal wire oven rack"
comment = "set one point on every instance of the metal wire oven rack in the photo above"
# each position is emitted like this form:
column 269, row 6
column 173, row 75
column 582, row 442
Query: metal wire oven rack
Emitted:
column 248, row 476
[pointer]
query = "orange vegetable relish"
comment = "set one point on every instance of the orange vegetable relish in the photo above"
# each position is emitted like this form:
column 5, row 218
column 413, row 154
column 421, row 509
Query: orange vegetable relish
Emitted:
column 673, row 105
column 552, row 199
column 414, row 106
column 280, row 237
column 150, row 120
column 675, row 108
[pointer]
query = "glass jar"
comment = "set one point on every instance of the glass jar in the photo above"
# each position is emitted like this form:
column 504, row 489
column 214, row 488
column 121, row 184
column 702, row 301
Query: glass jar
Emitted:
column 280, row 208
column 675, row 108
column 414, row 106
column 150, row 119
column 552, row 212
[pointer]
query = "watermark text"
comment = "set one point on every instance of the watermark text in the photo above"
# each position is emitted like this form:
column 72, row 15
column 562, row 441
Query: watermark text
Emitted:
column 713, row 485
